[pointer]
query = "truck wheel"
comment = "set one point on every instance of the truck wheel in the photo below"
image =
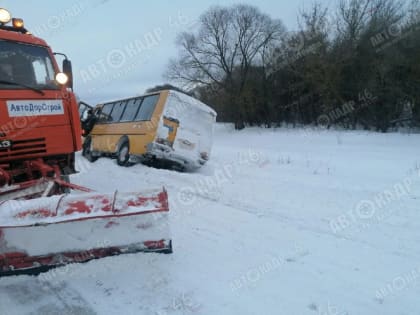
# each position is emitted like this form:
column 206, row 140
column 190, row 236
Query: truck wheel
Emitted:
column 123, row 154
column 87, row 152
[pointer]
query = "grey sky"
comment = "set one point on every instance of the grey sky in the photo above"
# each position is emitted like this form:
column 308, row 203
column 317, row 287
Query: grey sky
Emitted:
column 120, row 48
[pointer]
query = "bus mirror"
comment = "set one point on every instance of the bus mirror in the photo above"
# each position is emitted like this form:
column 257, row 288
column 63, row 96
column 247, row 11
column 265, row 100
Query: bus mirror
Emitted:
column 67, row 69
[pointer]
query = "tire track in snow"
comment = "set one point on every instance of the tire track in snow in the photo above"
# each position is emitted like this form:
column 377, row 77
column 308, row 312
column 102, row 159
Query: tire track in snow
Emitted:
column 175, row 187
column 295, row 223
column 30, row 296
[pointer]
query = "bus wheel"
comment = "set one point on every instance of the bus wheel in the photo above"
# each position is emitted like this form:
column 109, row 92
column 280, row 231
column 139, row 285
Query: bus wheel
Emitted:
column 123, row 154
column 87, row 152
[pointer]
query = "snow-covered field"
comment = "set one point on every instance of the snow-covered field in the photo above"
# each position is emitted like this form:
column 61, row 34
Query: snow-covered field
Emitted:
column 278, row 222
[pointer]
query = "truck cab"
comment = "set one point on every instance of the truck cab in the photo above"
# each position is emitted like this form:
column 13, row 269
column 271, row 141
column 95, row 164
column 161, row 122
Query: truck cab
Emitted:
column 39, row 120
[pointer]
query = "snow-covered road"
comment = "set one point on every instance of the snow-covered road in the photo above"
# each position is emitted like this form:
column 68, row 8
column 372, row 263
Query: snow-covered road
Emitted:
column 279, row 222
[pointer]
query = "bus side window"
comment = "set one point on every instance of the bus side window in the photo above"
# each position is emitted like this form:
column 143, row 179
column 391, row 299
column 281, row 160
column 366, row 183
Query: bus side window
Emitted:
column 118, row 111
column 131, row 109
column 105, row 113
column 147, row 108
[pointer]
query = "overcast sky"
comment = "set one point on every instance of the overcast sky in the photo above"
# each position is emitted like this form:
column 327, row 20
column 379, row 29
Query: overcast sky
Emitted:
column 120, row 48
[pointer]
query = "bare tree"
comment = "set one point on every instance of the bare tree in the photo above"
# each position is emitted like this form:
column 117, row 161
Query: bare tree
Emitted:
column 228, row 44
column 363, row 59
column 355, row 16
column 314, row 21
column 352, row 17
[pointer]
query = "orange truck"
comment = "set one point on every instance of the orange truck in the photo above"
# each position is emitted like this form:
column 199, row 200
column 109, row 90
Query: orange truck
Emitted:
column 39, row 120
column 39, row 134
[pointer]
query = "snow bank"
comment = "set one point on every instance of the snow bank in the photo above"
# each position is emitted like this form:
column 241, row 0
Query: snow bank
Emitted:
column 278, row 222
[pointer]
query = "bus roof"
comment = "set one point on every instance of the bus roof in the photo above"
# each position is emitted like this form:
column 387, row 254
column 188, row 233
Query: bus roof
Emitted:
column 182, row 96
column 193, row 102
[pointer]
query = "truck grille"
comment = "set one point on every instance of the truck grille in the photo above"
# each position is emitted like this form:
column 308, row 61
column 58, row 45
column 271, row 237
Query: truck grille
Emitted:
column 24, row 148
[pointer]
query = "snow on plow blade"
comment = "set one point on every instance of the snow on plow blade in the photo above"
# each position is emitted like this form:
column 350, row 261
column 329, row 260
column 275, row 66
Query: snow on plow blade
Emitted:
column 39, row 234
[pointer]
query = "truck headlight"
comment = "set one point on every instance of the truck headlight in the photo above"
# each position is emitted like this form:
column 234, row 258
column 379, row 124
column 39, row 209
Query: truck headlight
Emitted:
column 62, row 78
column 5, row 16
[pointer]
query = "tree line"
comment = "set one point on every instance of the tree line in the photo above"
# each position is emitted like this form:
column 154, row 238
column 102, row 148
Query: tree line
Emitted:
column 355, row 65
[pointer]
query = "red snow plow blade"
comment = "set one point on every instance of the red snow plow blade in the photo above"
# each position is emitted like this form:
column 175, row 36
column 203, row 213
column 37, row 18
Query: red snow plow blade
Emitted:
column 39, row 234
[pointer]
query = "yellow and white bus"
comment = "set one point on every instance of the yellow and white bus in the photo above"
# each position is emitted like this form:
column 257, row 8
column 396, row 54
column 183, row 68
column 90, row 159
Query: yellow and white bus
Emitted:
column 162, row 127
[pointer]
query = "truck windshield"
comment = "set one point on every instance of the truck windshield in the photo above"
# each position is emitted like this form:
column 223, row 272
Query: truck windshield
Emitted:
column 24, row 66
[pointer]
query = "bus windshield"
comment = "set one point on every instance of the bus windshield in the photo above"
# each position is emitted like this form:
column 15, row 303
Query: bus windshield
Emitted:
column 24, row 66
